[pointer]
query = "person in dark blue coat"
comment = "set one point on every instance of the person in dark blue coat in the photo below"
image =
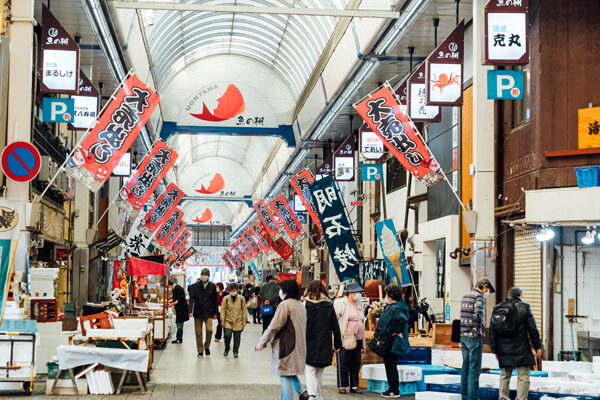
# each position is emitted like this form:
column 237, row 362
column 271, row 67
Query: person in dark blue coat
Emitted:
column 393, row 323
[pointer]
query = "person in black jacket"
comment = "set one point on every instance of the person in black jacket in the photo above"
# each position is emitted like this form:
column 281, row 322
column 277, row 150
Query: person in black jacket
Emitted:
column 514, row 351
column 204, row 308
column 321, row 323
column 181, row 308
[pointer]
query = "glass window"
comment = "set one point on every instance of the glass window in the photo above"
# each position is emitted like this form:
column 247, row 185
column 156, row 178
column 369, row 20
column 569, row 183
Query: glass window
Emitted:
column 521, row 109
column 396, row 175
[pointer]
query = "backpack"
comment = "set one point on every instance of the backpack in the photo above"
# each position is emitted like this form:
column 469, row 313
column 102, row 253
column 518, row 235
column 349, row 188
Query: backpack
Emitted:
column 504, row 319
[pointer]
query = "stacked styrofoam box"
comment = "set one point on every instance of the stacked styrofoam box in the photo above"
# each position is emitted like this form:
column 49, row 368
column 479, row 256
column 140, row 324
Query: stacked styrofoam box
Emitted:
column 596, row 367
column 50, row 337
column 99, row 382
column 376, row 372
column 436, row 396
column 453, row 358
column 41, row 283
column 492, row 381
column 442, row 379
column 22, row 356
column 595, row 326
column 570, row 367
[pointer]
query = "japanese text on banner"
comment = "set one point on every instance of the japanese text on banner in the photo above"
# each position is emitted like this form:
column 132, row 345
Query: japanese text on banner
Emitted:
column 300, row 184
column 287, row 217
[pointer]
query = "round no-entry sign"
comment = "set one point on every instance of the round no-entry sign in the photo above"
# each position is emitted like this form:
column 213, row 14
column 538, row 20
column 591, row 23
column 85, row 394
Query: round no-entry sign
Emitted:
column 21, row 161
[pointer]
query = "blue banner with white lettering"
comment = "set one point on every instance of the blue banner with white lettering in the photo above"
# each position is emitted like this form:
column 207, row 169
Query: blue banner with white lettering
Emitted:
column 258, row 273
column 392, row 252
column 336, row 228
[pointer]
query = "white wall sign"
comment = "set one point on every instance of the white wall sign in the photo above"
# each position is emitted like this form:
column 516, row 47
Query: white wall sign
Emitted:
column 344, row 168
column 371, row 146
column 59, row 70
column 506, row 31
column 86, row 111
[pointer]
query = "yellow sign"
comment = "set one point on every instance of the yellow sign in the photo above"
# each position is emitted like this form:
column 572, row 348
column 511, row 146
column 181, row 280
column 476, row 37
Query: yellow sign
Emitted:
column 589, row 128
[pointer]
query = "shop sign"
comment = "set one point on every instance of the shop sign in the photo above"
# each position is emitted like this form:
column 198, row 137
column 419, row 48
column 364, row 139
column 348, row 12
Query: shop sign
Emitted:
column 402, row 93
column 280, row 246
column 418, row 110
column 356, row 203
column 392, row 252
column 505, row 85
column 338, row 235
column 60, row 57
column 235, row 255
column 57, row 110
column 371, row 146
column 302, row 218
column 300, row 184
column 298, row 204
column 123, row 168
column 368, row 270
column 86, row 104
column 372, row 172
column 147, row 177
column 267, row 218
column 343, row 160
column 287, row 217
column 507, row 32
column 163, row 208
column 136, row 242
column 170, row 221
column 589, row 127
column 385, row 117
column 12, row 218
column 231, row 257
column 255, row 231
column 325, row 167
column 116, row 130
column 445, row 70
column 254, row 248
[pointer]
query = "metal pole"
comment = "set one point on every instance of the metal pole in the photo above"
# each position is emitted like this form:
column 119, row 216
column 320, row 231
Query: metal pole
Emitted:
column 436, row 23
column 457, row 11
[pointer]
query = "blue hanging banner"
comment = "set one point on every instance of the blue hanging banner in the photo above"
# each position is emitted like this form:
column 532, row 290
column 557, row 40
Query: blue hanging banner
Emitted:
column 258, row 273
column 392, row 252
column 336, row 228
column 368, row 270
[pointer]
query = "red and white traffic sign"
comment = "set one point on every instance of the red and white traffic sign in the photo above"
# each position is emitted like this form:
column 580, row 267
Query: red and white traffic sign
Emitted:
column 21, row 161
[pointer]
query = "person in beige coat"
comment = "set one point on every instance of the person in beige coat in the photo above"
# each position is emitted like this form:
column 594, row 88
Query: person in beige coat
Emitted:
column 233, row 319
column 287, row 332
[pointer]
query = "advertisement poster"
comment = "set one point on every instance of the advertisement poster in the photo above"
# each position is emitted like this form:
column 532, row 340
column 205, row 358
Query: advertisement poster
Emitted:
column 392, row 252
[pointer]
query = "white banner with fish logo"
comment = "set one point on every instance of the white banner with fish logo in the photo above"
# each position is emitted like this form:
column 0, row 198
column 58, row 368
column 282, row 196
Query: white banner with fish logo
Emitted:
column 14, row 218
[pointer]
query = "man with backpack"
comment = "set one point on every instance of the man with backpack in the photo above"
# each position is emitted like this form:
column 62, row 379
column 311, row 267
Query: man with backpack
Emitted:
column 471, row 337
column 233, row 319
column 512, row 335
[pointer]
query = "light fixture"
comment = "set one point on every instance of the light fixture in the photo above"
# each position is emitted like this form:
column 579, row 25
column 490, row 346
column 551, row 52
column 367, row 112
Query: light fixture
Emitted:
column 589, row 236
column 545, row 233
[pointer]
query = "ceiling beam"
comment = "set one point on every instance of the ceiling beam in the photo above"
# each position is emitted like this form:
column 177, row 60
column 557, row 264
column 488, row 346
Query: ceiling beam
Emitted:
column 313, row 12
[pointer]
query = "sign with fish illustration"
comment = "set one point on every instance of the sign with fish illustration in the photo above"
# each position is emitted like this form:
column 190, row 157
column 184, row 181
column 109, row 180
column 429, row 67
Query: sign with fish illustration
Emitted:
column 204, row 217
column 228, row 103
column 445, row 70
column 210, row 183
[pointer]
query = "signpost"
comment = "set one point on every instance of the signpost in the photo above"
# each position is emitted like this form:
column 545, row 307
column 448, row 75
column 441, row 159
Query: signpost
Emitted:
column 505, row 85
column 21, row 161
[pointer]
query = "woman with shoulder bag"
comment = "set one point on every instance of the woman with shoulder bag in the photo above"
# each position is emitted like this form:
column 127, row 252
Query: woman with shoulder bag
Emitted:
column 351, row 319
column 391, row 337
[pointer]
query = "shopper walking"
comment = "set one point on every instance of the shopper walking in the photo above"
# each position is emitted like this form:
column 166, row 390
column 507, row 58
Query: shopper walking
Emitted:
column 204, row 308
column 351, row 319
column 321, row 327
column 256, row 318
column 512, row 335
column 178, row 301
column 220, row 296
column 269, row 294
column 471, row 337
column 393, row 323
column 287, row 332
column 233, row 319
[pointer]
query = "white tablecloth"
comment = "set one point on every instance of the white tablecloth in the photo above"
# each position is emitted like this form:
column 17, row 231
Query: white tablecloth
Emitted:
column 75, row 356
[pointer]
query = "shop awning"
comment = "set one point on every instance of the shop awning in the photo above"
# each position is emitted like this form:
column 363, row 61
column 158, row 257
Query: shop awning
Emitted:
column 139, row 267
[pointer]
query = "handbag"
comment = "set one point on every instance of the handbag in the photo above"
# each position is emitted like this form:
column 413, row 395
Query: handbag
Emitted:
column 253, row 303
column 349, row 338
column 266, row 310
column 380, row 346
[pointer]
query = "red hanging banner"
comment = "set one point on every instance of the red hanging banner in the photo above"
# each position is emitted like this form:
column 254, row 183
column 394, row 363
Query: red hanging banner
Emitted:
column 267, row 218
column 173, row 234
column 163, row 210
column 247, row 238
column 168, row 226
column 227, row 261
column 387, row 118
column 180, row 242
column 287, row 217
column 147, row 177
column 116, row 130
column 239, row 251
column 300, row 184
column 140, row 267
column 255, row 230
column 280, row 245
column 246, row 247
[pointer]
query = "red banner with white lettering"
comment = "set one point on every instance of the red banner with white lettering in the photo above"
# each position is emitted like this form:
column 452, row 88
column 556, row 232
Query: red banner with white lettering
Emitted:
column 280, row 246
column 246, row 237
column 163, row 210
column 176, row 234
column 267, row 218
column 165, row 230
column 300, row 184
column 287, row 217
column 255, row 230
column 147, row 177
column 227, row 261
column 117, row 128
column 389, row 121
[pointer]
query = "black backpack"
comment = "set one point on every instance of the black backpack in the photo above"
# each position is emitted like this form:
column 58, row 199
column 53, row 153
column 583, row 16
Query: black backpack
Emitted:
column 504, row 319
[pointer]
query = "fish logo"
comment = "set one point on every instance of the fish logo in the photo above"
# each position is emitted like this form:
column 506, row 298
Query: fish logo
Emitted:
column 230, row 105
column 215, row 185
column 205, row 217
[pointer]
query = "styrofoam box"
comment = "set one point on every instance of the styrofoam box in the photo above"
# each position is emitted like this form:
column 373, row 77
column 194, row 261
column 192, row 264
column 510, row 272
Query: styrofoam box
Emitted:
column 567, row 366
column 453, row 358
column 442, row 379
column 376, row 372
column 43, row 273
column 436, row 396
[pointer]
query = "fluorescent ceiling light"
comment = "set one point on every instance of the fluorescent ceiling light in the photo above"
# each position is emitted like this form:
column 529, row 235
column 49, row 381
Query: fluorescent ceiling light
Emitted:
column 401, row 25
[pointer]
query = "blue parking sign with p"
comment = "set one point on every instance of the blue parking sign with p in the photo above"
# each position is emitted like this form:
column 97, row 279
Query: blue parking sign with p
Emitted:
column 58, row 110
column 505, row 85
column 372, row 172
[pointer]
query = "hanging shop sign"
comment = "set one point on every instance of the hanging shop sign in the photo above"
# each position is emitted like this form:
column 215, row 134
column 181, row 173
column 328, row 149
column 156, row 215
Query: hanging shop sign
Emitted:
column 445, row 70
column 371, row 146
column 254, row 248
column 255, row 230
column 287, row 217
column 178, row 245
column 136, row 242
column 338, row 235
column 372, row 172
column 164, row 208
column 392, row 252
column 59, row 67
column 588, row 127
column 116, row 130
column 230, row 255
column 235, row 255
column 58, row 110
column 418, row 110
column 267, row 218
column 325, row 168
column 246, row 247
column 170, row 220
column 123, row 168
column 385, row 117
column 343, row 160
column 300, row 184
column 402, row 93
column 86, row 104
column 505, row 84
column 507, row 32
column 368, row 270
column 299, row 206
column 147, row 177
column 21, row 161
column 280, row 246
column 13, row 218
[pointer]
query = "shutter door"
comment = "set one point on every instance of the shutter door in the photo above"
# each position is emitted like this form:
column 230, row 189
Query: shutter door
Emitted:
column 528, row 271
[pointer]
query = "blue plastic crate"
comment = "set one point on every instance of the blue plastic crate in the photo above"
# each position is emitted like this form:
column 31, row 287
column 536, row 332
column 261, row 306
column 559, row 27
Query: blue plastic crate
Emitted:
column 541, row 374
column 417, row 355
column 382, row 386
column 433, row 370
column 587, row 176
column 443, row 388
